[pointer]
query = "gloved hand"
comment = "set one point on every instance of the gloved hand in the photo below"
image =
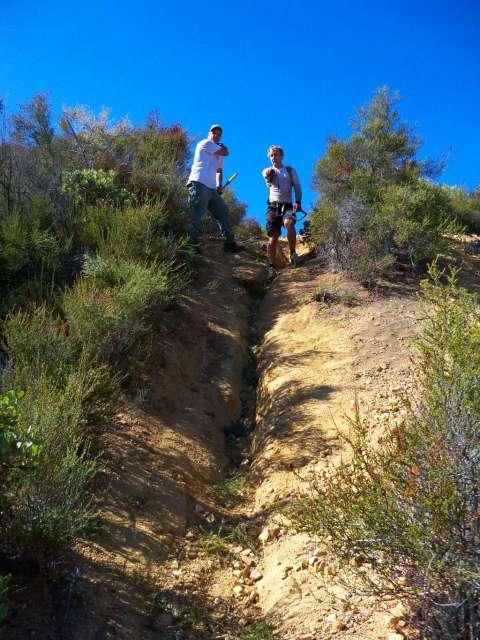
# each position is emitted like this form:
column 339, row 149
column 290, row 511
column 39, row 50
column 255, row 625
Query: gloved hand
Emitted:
column 270, row 174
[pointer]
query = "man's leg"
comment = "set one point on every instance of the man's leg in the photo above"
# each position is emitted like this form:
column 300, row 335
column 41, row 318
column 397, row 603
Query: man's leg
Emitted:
column 198, row 196
column 219, row 211
column 289, row 224
column 272, row 247
column 274, row 229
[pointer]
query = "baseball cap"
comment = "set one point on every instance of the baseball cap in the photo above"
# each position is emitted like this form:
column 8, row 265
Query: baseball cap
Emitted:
column 216, row 126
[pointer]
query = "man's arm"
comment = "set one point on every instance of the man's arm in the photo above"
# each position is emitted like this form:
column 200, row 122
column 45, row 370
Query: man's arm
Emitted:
column 268, row 175
column 223, row 151
column 219, row 178
column 297, row 189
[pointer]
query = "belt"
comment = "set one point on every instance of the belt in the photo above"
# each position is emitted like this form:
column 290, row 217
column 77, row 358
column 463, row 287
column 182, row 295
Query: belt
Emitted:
column 279, row 206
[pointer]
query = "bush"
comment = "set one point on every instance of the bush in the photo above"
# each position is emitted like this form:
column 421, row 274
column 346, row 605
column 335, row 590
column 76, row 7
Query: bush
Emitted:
column 48, row 503
column 40, row 347
column 89, row 186
column 250, row 229
column 465, row 205
column 149, row 232
column 410, row 506
column 110, row 309
column 375, row 199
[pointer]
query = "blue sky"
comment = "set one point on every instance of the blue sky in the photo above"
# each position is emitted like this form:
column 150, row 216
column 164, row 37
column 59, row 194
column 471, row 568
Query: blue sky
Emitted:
column 288, row 73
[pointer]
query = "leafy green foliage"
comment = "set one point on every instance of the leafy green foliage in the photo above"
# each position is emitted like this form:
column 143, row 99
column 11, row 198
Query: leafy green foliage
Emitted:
column 258, row 631
column 410, row 507
column 16, row 448
column 88, row 186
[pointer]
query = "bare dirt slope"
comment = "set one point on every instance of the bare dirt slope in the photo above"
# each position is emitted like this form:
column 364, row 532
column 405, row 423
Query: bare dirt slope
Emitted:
column 179, row 558
column 316, row 359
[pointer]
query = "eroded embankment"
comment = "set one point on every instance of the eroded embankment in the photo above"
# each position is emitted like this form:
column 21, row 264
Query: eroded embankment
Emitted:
column 160, row 460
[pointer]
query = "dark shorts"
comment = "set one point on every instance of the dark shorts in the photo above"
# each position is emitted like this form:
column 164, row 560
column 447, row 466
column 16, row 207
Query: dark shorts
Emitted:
column 277, row 213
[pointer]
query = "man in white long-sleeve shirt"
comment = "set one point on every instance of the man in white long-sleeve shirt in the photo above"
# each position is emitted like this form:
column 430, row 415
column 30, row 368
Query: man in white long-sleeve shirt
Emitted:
column 205, row 186
column 280, row 181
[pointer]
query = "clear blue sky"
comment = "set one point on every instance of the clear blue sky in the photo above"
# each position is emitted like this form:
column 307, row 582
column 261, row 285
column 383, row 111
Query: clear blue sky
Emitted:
column 288, row 73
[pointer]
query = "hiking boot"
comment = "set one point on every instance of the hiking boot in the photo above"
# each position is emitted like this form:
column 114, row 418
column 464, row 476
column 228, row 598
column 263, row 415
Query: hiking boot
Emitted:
column 294, row 259
column 232, row 247
column 271, row 272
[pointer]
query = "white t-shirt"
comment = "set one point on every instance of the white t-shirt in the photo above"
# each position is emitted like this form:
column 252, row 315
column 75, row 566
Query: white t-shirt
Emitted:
column 205, row 163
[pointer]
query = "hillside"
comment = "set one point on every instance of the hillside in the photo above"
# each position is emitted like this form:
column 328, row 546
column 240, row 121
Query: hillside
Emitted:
column 250, row 386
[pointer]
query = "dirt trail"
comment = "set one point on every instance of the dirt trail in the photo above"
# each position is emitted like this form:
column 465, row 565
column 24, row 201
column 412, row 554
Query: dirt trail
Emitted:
column 179, row 557
column 316, row 358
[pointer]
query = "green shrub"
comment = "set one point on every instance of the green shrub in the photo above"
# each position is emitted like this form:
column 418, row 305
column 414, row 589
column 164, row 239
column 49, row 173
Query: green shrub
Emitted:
column 47, row 501
column 89, row 186
column 258, row 631
column 410, row 506
column 375, row 200
column 111, row 308
column 31, row 254
column 40, row 347
column 38, row 344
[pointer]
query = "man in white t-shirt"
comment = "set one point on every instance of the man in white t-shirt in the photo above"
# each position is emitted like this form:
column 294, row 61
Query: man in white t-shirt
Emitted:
column 205, row 187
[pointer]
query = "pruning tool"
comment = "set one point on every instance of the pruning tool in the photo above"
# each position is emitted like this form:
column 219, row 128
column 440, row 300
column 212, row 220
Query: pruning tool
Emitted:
column 229, row 181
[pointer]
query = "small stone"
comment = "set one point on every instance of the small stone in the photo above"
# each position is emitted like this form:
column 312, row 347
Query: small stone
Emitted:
column 269, row 533
column 255, row 575
column 199, row 508
column 237, row 590
column 210, row 518
column 189, row 535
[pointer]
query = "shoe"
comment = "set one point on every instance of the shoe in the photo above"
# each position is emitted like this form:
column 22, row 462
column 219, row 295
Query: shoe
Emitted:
column 271, row 272
column 294, row 259
column 232, row 247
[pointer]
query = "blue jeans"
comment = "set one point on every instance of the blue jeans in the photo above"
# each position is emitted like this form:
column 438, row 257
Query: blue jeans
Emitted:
column 201, row 198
